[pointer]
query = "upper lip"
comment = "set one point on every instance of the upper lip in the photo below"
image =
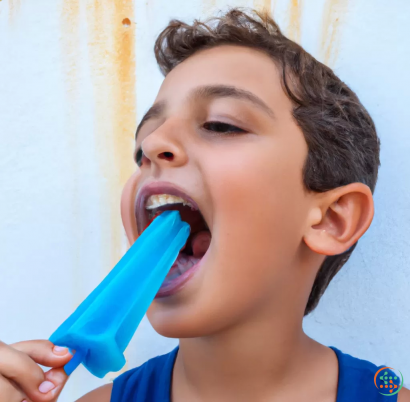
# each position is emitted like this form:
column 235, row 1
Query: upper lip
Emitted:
column 156, row 187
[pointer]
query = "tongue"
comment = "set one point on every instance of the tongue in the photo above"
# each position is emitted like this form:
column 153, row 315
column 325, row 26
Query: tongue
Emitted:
column 200, row 243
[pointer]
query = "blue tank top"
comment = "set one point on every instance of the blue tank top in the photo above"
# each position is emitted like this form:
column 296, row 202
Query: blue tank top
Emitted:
column 151, row 382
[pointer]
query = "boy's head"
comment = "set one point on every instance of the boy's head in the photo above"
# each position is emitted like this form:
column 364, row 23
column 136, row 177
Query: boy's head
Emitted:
column 279, row 155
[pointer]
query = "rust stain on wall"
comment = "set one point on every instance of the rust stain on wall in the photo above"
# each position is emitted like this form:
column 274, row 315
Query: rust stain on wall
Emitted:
column 263, row 5
column 110, row 43
column 334, row 15
column 113, row 66
column 112, row 57
column 125, row 116
column 295, row 19
column 70, row 28
column 14, row 7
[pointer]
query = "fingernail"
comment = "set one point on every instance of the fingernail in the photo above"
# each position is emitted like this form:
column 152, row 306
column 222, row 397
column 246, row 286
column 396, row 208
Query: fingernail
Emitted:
column 59, row 350
column 46, row 386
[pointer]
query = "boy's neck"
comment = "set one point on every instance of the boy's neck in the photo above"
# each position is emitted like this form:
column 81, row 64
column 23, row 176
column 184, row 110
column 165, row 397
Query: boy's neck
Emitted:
column 259, row 361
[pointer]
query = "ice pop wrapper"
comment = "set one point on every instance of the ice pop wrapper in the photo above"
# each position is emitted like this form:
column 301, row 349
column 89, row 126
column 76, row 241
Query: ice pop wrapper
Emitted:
column 102, row 326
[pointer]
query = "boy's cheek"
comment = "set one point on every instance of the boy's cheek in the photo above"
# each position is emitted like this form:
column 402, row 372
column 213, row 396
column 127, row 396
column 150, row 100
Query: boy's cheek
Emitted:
column 127, row 206
column 244, row 274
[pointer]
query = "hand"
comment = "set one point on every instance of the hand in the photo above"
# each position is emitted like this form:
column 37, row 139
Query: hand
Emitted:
column 22, row 379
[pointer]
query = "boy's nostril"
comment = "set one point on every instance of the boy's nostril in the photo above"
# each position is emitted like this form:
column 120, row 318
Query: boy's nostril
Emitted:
column 166, row 155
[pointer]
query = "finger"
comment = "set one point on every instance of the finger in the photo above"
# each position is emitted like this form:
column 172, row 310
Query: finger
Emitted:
column 9, row 392
column 20, row 368
column 44, row 352
column 25, row 397
column 59, row 377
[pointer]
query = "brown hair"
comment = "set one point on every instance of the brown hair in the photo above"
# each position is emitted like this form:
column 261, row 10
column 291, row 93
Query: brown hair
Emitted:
column 343, row 146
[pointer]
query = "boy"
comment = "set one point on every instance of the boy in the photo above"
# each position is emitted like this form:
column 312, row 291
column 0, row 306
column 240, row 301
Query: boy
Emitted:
column 277, row 160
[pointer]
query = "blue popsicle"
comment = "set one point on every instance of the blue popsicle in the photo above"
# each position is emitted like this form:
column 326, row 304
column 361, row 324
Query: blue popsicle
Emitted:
column 102, row 326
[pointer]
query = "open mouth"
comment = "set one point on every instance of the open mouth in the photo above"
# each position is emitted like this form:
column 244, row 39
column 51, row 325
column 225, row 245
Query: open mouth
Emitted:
column 151, row 202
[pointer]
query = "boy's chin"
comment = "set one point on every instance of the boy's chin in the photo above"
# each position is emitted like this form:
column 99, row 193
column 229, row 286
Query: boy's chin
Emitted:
column 180, row 324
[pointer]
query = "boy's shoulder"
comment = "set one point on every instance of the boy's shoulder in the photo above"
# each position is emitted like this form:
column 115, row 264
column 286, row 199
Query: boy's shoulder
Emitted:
column 358, row 376
column 349, row 364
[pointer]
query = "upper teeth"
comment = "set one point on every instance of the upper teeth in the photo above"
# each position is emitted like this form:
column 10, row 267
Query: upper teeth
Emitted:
column 157, row 200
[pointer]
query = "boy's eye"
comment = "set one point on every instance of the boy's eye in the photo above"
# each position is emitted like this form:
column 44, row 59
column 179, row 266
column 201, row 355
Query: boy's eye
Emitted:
column 138, row 157
column 215, row 126
column 222, row 127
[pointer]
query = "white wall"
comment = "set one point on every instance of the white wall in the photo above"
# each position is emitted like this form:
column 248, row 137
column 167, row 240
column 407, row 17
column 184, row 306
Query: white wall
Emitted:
column 74, row 81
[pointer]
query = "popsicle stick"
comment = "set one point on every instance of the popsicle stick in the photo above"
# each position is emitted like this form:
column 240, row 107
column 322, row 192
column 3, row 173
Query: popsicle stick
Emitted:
column 74, row 362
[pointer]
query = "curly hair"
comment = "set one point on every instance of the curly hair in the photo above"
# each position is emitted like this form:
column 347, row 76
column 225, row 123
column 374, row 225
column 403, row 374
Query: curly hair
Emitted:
column 343, row 146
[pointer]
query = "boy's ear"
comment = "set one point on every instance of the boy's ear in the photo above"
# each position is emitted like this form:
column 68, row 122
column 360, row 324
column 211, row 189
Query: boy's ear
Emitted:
column 339, row 218
column 127, row 207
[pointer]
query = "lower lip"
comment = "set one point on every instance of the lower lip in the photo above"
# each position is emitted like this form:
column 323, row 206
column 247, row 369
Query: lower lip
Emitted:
column 178, row 283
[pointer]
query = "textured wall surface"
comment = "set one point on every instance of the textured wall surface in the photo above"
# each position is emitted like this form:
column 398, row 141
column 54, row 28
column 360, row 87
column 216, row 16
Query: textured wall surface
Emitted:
column 75, row 78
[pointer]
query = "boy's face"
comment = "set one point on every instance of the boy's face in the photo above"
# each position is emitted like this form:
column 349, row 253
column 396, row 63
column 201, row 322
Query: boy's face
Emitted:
column 247, row 183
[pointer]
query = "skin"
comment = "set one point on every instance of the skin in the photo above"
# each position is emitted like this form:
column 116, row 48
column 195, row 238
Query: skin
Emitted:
column 269, row 236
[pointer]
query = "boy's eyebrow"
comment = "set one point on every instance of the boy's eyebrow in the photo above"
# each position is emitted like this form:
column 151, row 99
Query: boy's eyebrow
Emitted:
column 229, row 91
column 209, row 91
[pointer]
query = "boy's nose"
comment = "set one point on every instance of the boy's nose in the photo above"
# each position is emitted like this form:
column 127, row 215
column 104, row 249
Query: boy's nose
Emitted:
column 164, row 148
